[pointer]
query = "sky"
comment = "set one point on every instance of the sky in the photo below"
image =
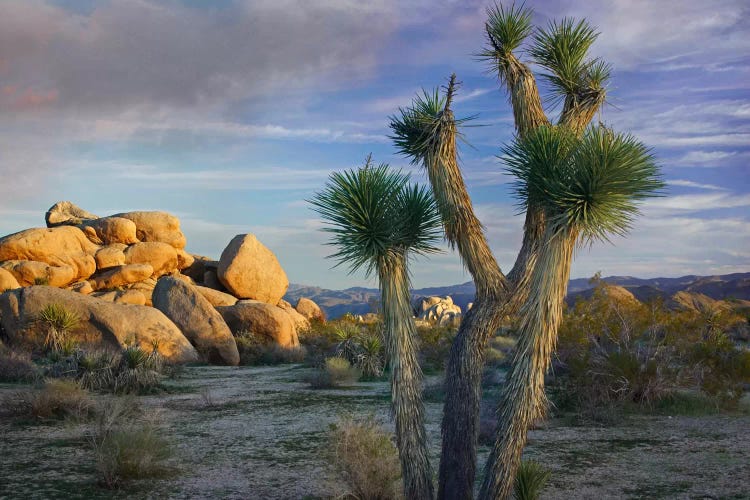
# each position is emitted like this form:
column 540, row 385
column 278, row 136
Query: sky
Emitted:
column 230, row 114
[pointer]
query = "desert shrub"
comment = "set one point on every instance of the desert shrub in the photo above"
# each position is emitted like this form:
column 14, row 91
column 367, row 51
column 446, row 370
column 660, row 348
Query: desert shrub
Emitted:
column 16, row 367
column 128, row 447
column 336, row 372
column 319, row 344
column 255, row 350
column 320, row 379
column 341, row 371
column 530, row 480
column 722, row 370
column 359, row 343
column 137, row 371
column 56, row 399
column 434, row 346
column 365, row 459
column 624, row 353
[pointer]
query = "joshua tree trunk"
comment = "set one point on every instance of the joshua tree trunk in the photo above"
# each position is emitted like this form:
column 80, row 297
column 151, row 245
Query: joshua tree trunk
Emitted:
column 406, row 378
column 495, row 297
column 523, row 398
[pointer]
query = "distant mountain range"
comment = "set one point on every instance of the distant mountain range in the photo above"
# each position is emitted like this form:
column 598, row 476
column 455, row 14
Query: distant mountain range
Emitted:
column 359, row 300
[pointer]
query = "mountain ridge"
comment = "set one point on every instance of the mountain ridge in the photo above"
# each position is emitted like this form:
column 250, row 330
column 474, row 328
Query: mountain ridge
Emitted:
column 361, row 300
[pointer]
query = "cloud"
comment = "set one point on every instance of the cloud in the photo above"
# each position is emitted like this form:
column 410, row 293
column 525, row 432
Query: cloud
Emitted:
column 691, row 203
column 692, row 184
column 143, row 53
column 259, row 178
column 676, row 33
column 705, row 158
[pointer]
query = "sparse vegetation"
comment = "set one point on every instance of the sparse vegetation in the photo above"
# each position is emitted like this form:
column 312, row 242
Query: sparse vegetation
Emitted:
column 614, row 353
column 365, row 459
column 127, row 447
column 16, row 366
column 55, row 399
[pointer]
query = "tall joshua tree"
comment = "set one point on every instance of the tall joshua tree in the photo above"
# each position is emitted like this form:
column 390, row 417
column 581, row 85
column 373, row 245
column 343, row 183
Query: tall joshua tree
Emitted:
column 587, row 189
column 427, row 132
column 377, row 221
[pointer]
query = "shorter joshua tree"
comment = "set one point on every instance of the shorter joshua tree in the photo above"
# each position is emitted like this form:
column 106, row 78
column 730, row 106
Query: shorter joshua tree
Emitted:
column 378, row 220
column 588, row 189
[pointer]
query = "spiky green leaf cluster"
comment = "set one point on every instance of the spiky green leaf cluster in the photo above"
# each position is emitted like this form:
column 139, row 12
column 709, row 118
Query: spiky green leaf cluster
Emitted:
column 373, row 212
column 414, row 127
column 562, row 48
column 591, row 184
column 417, row 130
column 506, row 28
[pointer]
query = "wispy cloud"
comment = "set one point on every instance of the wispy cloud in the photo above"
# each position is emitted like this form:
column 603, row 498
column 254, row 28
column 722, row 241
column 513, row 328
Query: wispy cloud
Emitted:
column 705, row 158
column 258, row 178
column 698, row 185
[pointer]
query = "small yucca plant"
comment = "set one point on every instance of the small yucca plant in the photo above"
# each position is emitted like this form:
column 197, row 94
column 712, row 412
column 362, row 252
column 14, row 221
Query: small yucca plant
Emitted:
column 530, row 480
column 370, row 357
column 59, row 322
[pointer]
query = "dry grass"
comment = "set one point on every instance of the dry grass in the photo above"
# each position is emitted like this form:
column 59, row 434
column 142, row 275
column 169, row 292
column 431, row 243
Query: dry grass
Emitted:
column 365, row 459
column 128, row 447
column 56, row 399
column 16, row 367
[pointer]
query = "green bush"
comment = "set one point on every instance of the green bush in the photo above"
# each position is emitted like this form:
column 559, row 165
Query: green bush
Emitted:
column 365, row 459
column 434, row 346
column 722, row 370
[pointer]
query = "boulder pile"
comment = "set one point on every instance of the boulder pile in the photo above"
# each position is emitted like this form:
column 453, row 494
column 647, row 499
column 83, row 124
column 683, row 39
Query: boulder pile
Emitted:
column 439, row 311
column 130, row 279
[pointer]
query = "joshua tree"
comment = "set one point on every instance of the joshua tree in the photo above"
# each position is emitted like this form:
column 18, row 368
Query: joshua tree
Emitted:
column 427, row 132
column 378, row 221
column 587, row 189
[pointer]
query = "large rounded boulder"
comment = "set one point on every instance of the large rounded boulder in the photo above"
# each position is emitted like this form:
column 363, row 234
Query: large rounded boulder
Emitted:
column 156, row 226
column 117, row 276
column 249, row 270
column 161, row 256
column 57, row 246
column 110, row 230
column 262, row 319
column 203, row 326
column 103, row 324
column 29, row 272
column 310, row 310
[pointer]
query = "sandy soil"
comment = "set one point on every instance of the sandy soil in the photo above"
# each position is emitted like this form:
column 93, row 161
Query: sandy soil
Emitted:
column 258, row 433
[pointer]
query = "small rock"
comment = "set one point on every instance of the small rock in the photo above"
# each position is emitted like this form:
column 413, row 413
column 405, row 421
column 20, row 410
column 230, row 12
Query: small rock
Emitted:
column 65, row 213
